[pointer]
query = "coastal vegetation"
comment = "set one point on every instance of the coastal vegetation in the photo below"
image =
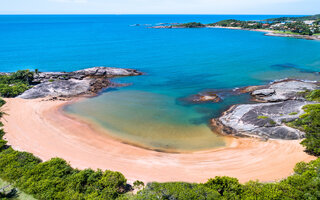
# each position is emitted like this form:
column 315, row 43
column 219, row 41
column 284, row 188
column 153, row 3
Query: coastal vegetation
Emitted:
column 298, row 26
column 303, row 18
column 310, row 123
column 55, row 179
column 11, row 85
column 192, row 25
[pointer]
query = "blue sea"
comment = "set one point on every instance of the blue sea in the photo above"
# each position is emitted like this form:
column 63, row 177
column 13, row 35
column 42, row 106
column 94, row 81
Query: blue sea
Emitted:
column 177, row 63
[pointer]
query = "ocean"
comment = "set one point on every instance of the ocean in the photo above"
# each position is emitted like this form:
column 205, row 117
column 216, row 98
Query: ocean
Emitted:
column 177, row 63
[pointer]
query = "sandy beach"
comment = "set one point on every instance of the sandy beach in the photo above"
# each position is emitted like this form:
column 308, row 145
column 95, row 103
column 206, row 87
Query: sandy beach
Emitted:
column 42, row 128
column 271, row 32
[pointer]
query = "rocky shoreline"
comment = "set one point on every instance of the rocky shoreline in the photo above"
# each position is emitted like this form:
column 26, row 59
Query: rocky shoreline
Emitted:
column 282, row 103
column 278, row 102
column 70, row 84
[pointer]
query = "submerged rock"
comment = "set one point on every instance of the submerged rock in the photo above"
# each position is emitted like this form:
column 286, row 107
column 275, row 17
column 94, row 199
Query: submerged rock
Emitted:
column 69, row 84
column 263, row 120
column 204, row 97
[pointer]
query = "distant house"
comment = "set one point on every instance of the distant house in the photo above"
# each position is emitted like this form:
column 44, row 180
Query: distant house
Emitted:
column 277, row 25
column 265, row 25
column 309, row 22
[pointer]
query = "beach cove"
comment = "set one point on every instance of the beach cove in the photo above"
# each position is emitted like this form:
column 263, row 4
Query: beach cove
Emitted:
column 148, row 125
column 40, row 126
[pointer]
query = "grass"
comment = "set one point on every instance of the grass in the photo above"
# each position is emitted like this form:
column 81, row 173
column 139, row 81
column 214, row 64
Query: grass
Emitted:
column 21, row 195
column 286, row 32
column 262, row 117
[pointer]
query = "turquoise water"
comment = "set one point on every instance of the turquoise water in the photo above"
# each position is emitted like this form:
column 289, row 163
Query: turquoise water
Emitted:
column 177, row 63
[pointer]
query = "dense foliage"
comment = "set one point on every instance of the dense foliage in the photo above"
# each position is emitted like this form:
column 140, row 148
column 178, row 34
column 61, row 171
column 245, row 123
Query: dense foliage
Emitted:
column 238, row 23
column 308, row 25
column 192, row 25
column 310, row 123
column 13, row 84
column 304, row 184
column 282, row 19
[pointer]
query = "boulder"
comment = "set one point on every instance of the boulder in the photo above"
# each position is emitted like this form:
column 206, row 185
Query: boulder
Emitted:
column 263, row 92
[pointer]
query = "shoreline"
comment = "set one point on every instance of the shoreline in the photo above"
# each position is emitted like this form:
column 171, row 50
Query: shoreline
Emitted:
column 42, row 128
column 272, row 33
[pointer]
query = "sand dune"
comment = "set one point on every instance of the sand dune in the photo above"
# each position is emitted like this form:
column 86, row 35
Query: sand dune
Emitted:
column 40, row 127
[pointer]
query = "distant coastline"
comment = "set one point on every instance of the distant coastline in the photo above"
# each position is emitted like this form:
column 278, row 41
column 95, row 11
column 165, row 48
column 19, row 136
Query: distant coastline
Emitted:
column 307, row 27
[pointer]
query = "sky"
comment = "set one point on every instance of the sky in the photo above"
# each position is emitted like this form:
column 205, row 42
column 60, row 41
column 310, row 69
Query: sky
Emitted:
column 293, row 7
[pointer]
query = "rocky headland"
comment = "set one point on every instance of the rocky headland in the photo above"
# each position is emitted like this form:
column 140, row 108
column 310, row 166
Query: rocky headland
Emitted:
column 283, row 102
column 69, row 84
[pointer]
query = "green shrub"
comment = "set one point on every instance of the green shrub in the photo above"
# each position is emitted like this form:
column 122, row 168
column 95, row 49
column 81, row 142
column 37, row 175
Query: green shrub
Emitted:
column 313, row 95
column 138, row 184
column 13, row 90
column 15, row 83
column 271, row 122
column 177, row 190
column 2, row 102
column 310, row 123
column 226, row 186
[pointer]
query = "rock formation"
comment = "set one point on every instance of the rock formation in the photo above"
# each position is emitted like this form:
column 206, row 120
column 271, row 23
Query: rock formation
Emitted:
column 267, row 120
column 69, row 84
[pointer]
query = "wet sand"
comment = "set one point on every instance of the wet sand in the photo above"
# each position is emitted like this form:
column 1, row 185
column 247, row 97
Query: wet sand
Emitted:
column 42, row 128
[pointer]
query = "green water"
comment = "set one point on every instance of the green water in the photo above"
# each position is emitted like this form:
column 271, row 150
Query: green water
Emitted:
column 149, row 120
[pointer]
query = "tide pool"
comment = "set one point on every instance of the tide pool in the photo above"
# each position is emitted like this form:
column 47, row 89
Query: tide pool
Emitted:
column 176, row 62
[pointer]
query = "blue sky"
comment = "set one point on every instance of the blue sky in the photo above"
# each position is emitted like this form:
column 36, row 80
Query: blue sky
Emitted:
column 160, row 7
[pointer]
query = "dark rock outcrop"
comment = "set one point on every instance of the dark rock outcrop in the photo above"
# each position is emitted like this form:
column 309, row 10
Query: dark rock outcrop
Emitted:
column 283, row 102
column 70, row 84
column 282, row 91
column 263, row 120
